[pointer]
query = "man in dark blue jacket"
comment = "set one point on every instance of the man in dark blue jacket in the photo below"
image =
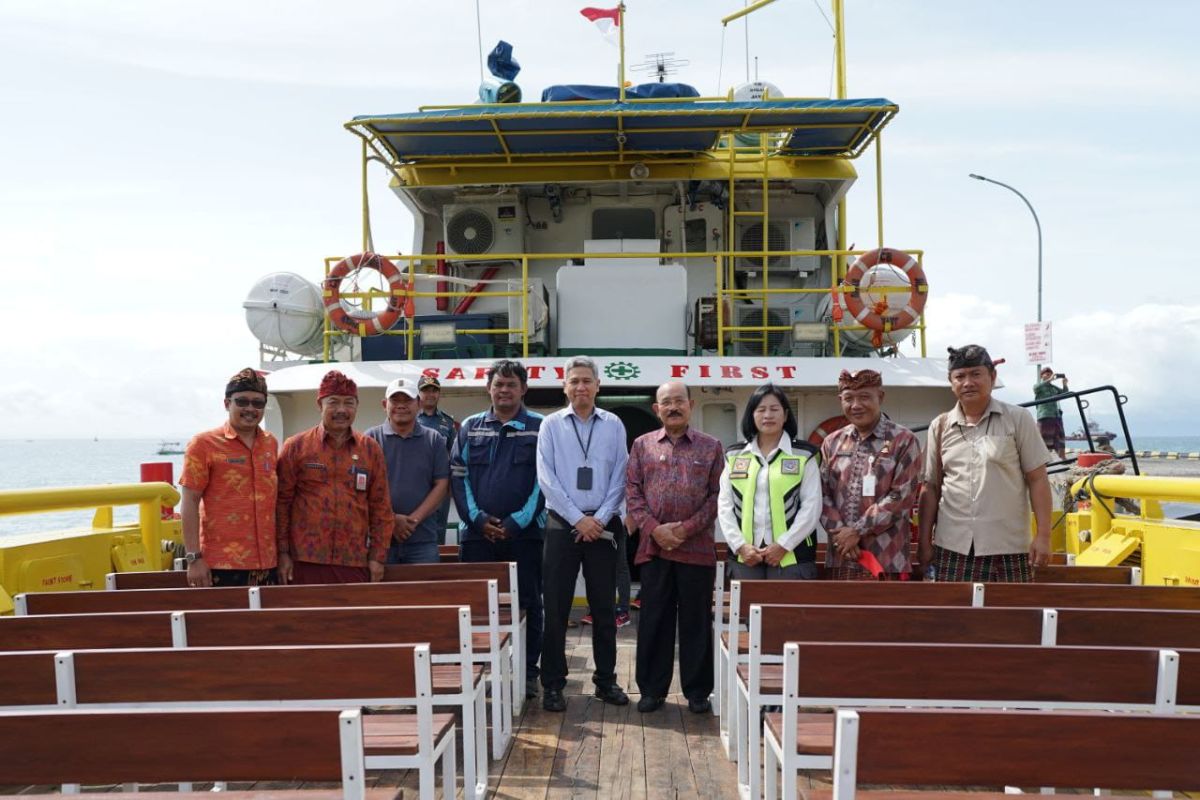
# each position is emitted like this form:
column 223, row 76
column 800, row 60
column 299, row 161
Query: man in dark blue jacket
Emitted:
column 493, row 475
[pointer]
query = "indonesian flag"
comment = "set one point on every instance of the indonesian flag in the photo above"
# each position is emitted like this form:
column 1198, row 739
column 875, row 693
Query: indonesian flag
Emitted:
column 606, row 19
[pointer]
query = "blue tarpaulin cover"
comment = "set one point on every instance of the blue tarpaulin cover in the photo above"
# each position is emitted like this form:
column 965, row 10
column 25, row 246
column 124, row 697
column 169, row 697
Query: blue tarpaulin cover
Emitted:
column 828, row 128
column 501, row 63
column 645, row 91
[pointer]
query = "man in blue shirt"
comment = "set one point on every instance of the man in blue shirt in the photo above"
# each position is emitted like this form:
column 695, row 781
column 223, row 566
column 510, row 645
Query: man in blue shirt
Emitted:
column 581, row 460
column 418, row 473
column 493, row 474
column 429, row 394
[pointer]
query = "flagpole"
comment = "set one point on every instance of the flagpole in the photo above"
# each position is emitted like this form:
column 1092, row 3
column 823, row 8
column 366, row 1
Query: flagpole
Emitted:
column 621, row 34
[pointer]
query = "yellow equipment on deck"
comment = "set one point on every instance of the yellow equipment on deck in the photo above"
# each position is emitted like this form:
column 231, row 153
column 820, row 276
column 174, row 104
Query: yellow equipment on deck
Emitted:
column 1169, row 548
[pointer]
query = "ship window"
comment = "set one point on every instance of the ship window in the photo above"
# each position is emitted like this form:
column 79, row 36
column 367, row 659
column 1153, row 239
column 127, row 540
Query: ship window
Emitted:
column 624, row 223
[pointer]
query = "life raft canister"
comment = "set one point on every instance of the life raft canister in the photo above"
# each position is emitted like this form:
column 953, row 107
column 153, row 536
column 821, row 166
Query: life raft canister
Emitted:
column 825, row 428
column 359, row 321
column 876, row 317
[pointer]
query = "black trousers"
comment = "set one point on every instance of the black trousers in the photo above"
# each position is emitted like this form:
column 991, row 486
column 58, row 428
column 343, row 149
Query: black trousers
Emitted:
column 562, row 558
column 527, row 552
column 675, row 596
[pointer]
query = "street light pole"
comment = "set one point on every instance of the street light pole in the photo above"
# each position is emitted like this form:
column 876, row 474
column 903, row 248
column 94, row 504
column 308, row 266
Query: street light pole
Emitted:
column 1036, row 222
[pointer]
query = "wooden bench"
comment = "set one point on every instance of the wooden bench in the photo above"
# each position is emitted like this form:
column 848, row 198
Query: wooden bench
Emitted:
column 817, row 674
column 341, row 677
column 1010, row 748
column 165, row 579
column 1118, row 576
column 1076, row 595
column 772, row 626
column 258, row 628
column 75, row 747
column 493, row 648
column 745, row 593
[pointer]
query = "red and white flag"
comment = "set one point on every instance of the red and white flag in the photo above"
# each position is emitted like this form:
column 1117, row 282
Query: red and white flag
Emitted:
column 607, row 21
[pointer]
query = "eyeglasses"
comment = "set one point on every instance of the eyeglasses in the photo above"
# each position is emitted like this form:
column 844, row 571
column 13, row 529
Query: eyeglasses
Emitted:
column 243, row 402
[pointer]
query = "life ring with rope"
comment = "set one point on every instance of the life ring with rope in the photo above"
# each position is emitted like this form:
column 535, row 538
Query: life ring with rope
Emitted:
column 876, row 317
column 359, row 321
column 825, row 428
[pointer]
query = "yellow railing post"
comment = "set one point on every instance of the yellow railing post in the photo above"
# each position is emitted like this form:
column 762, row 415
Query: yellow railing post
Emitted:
column 524, row 307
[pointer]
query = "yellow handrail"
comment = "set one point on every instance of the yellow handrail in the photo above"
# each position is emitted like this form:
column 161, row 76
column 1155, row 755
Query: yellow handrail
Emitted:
column 1142, row 487
column 148, row 497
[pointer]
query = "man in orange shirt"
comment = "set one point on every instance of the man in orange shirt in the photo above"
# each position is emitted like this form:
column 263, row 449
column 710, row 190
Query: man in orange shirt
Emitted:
column 229, row 487
column 334, row 515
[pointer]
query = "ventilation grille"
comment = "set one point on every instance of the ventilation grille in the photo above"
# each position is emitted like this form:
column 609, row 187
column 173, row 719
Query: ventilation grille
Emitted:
column 752, row 241
column 750, row 343
column 471, row 232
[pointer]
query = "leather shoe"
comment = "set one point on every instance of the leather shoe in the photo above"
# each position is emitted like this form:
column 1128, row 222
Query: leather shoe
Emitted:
column 553, row 700
column 531, row 688
column 701, row 706
column 647, row 703
column 613, row 695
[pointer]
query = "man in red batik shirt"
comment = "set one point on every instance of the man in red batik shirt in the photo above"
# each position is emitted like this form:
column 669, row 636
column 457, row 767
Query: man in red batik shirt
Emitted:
column 671, row 486
column 334, row 515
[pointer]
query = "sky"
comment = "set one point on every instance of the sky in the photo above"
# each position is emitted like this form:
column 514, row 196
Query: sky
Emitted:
column 156, row 158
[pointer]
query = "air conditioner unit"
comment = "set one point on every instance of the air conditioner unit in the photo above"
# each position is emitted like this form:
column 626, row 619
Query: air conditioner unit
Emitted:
column 537, row 312
column 474, row 231
column 784, row 234
column 750, row 343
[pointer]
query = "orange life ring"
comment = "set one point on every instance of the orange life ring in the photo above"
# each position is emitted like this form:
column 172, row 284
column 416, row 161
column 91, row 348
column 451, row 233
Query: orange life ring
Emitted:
column 364, row 323
column 825, row 428
column 876, row 318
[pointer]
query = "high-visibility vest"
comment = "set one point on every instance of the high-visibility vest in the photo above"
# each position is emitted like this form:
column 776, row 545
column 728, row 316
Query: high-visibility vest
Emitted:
column 785, row 473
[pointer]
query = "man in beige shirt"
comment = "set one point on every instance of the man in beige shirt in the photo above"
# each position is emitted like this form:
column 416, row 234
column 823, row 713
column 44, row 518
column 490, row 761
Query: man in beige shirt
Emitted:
column 985, row 465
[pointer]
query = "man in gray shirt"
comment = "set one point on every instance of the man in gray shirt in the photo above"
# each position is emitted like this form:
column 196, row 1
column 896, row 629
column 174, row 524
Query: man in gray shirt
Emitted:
column 418, row 473
column 581, row 460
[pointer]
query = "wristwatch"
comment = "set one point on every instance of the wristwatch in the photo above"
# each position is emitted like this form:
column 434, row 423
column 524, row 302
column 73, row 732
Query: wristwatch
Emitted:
column 191, row 557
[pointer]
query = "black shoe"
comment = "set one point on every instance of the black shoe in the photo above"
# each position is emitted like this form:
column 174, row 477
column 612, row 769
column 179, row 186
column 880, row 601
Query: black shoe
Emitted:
column 613, row 695
column 553, row 700
column 531, row 688
column 648, row 703
column 701, row 706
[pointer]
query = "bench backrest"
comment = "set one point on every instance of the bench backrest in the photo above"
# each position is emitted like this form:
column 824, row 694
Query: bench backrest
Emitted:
column 437, row 625
column 1013, row 748
column 1057, row 677
column 498, row 571
column 1058, row 573
column 55, row 747
column 370, row 674
column 476, row 594
column 27, row 679
column 1129, row 627
column 772, row 626
column 166, row 579
column 850, row 593
column 1074, row 595
column 77, row 631
column 175, row 599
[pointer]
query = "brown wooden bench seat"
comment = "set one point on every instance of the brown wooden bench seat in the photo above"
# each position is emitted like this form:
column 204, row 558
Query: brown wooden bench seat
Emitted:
column 1134, row 752
column 96, row 747
column 1075, row 595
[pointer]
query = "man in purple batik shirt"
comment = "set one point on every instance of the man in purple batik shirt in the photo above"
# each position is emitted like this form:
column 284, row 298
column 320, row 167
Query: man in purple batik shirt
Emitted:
column 671, row 486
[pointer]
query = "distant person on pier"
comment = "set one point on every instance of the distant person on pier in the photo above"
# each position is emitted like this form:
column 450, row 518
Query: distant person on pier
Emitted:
column 493, row 473
column 334, row 516
column 671, row 487
column 1049, row 414
column 985, row 465
column 229, row 486
column 770, row 496
column 418, row 475
column 581, row 459
column 429, row 391
column 869, row 482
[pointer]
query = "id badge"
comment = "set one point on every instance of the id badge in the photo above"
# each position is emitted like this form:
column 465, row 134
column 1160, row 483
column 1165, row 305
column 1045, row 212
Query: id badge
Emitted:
column 583, row 479
column 868, row 486
column 360, row 481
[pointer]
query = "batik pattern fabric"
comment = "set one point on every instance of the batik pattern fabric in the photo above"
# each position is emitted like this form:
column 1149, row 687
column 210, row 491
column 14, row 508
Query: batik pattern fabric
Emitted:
column 892, row 454
column 237, row 486
column 1003, row 568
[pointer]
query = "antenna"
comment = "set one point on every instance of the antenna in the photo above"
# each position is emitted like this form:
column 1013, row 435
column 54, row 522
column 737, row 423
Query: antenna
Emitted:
column 661, row 64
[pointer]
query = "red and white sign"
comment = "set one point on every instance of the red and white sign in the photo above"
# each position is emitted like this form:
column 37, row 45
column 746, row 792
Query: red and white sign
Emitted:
column 1039, row 344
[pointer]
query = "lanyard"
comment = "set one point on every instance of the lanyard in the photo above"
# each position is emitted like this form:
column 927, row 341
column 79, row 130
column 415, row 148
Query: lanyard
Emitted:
column 584, row 447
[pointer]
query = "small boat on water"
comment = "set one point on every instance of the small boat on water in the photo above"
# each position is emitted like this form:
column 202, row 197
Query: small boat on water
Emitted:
column 1094, row 431
column 170, row 449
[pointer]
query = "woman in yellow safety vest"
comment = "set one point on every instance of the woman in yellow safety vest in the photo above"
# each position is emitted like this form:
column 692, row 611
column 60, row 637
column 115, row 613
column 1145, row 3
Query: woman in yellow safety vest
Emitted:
column 770, row 499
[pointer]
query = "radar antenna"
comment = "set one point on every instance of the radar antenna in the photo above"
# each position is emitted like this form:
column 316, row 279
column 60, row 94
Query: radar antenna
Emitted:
column 661, row 65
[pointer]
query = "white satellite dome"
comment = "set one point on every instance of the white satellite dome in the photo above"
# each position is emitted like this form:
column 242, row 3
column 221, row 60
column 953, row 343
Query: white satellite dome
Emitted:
column 757, row 90
column 285, row 311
